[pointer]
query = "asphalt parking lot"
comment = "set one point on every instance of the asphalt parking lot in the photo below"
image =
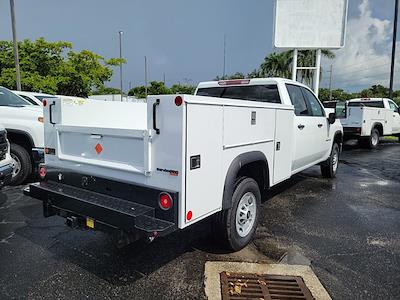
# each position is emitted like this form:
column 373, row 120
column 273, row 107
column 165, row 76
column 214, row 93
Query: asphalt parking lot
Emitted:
column 347, row 229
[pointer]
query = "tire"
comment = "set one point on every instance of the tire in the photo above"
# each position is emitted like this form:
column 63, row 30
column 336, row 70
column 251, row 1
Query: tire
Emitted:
column 373, row 139
column 329, row 167
column 22, row 164
column 247, row 197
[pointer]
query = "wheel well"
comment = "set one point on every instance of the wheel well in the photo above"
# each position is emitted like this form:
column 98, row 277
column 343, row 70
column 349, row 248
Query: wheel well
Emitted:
column 20, row 138
column 250, row 164
column 379, row 127
column 338, row 138
column 256, row 170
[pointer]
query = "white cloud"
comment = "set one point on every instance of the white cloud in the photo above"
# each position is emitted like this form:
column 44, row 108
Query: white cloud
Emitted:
column 365, row 59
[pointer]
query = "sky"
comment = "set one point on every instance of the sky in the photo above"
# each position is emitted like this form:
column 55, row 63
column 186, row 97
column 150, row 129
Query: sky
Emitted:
column 183, row 39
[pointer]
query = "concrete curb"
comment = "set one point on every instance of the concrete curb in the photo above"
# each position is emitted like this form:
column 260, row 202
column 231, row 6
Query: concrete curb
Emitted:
column 213, row 269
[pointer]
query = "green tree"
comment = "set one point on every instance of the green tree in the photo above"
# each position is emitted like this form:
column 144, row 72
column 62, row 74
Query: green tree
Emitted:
column 182, row 89
column 53, row 67
column 276, row 65
column 106, row 91
column 155, row 88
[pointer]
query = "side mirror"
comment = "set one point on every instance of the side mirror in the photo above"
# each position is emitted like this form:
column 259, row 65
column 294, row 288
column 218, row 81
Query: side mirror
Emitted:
column 331, row 118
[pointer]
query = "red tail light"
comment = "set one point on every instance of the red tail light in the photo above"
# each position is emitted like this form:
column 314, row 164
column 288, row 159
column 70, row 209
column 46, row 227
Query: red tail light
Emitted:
column 165, row 201
column 42, row 172
column 44, row 102
column 178, row 101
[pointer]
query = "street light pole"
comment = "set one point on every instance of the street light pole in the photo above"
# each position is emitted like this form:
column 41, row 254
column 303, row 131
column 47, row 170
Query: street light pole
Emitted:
column 14, row 34
column 396, row 12
column 330, row 82
column 145, row 75
column 120, row 56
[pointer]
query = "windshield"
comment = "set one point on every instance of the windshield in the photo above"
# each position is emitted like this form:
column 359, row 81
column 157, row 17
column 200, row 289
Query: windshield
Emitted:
column 8, row 98
column 44, row 97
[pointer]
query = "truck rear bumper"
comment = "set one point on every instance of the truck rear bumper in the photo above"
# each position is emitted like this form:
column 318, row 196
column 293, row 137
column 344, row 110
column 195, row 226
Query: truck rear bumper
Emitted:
column 352, row 132
column 89, row 209
column 5, row 175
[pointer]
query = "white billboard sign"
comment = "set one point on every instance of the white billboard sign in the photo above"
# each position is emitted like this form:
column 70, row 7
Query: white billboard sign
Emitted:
column 310, row 24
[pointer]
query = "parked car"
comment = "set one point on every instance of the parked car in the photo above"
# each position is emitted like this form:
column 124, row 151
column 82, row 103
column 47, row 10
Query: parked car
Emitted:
column 195, row 156
column 24, row 125
column 34, row 98
column 6, row 166
column 367, row 119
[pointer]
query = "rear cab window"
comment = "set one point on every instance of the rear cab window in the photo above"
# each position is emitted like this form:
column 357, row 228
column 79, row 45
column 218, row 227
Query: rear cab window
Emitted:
column 260, row 93
column 367, row 103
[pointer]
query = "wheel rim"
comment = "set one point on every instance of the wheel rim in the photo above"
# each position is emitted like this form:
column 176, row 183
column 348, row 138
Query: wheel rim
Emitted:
column 374, row 139
column 16, row 165
column 246, row 214
column 335, row 160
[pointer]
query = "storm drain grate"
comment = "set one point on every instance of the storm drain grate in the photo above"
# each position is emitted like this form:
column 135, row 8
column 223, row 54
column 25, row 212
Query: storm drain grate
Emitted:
column 239, row 286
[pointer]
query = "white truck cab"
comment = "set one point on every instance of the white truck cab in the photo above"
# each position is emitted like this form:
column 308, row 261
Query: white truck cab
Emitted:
column 192, row 157
column 367, row 119
column 25, row 132
column 6, row 163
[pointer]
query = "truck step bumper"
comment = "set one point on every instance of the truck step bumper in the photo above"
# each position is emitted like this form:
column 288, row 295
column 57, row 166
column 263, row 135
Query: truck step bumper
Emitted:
column 67, row 201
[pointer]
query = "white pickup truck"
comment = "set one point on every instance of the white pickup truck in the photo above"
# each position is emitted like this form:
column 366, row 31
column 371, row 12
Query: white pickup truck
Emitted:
column 6, row 166
column 194, row 156
column 367, row 119
column 25, row 131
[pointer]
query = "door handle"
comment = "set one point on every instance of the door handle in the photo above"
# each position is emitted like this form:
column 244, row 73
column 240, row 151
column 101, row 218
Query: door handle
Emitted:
column 319, row 125
column 157, row 130
column 300, row 126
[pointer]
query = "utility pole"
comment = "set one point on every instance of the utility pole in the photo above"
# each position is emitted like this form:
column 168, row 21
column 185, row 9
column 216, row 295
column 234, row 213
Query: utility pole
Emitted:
column 14, row 34
column 396, row 12
column 330, row 82
column 223, row 71
column 120, row 63
column 164, row 78
column 145, row 76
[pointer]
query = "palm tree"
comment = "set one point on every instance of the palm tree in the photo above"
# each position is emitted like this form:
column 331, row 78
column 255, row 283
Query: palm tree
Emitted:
column 306, row 58
column 280, row 64
column 277, row 64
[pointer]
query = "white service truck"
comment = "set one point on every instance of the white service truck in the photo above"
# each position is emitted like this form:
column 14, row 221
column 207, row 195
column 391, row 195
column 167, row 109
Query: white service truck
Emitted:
column 194, row 156
column 25, row 132
column 367, row 119
column 6, row 166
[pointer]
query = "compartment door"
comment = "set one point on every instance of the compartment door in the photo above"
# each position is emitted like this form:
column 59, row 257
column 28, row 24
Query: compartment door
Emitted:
column 283, row 145
column 203, row 160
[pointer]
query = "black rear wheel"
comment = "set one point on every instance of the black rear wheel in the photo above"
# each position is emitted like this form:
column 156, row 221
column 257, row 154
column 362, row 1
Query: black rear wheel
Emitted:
column 237, row 225
column 22, row 165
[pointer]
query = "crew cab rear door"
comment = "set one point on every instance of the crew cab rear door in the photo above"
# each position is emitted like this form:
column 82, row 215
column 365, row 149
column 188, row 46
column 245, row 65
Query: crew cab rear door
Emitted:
column 308, row 135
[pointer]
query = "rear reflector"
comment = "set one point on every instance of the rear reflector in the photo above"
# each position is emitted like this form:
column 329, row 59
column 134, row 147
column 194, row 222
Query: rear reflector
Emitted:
column 44, row 102
column 42, row 172
column 50, row 151
column 234, row 82
column 189, row 215
column 165, row 201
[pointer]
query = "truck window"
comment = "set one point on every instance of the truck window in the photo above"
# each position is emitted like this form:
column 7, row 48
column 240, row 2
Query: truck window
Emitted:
column 313, row 103
column 393, row 106
column 8, row 98
column 261, row 93
column 366, row 103
column 297, row 98
column 28, row 99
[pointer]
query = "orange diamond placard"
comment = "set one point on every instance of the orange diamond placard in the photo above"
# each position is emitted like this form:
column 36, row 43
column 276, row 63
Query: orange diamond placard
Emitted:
column 98, row 148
